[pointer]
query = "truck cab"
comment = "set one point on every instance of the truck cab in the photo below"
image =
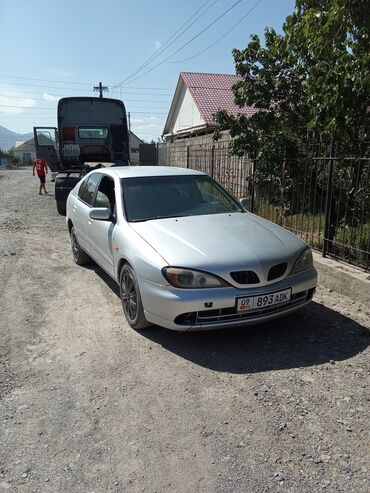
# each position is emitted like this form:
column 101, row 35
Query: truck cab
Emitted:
column 91, row 133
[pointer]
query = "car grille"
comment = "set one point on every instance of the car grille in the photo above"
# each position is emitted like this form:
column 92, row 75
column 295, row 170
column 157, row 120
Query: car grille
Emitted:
column 277, row 271
column 245, row 277
column 231, row 314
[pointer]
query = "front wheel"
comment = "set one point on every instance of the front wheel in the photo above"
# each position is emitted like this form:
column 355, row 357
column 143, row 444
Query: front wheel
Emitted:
column 79, row 255
column 131, row 299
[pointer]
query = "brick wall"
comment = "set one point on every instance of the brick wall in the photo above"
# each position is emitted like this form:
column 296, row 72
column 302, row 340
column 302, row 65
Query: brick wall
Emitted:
column 204, row 154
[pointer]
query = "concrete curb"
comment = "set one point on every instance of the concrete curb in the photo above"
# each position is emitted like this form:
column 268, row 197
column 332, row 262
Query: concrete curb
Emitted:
column 343, row 279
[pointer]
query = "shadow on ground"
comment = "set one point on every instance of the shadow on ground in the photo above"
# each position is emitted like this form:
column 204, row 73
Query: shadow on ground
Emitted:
column 312, row 336
column 104, row 277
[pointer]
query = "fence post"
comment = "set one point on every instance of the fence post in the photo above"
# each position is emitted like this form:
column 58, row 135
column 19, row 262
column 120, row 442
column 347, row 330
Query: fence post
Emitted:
column 187, row 157
column 212, row 160
column 328, row 202
column 252, row 187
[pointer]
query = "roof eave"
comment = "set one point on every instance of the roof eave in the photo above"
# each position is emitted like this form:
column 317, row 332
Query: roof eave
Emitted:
column 179, row 85
column 189, row 131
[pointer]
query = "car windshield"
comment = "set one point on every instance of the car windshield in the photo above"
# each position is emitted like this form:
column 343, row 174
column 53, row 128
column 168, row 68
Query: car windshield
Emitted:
column 157, row 197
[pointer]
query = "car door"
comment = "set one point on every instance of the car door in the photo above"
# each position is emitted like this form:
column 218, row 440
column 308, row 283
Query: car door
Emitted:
column 46, row 145
column 101, row 232
column 81, row 208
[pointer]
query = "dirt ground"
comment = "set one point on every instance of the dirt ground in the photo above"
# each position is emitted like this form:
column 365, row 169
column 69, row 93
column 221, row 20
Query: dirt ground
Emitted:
column 89, row 405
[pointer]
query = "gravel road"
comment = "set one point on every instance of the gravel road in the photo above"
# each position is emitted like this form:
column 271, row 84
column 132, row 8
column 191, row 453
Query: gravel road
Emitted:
column 89, row 405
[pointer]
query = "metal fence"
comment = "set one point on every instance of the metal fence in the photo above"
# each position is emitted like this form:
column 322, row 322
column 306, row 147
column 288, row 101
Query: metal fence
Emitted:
column 231, row 171
column 324, row 199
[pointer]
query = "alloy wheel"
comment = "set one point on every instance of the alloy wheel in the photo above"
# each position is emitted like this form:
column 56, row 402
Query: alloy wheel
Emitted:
column 129, row 296
column 74, row 243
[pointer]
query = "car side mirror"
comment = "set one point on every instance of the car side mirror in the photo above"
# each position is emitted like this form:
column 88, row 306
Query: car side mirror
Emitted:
column 100, row 214
column 245, row 203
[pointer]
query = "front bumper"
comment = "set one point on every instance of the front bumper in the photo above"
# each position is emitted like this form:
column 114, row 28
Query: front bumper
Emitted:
column 186, row 309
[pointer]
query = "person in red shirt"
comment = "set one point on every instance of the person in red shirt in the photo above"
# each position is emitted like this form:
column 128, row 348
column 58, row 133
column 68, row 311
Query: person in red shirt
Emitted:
column 42, row 171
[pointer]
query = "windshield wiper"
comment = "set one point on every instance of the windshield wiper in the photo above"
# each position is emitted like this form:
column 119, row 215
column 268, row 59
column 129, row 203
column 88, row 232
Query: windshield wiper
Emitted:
column 165, row 217
column 152, row 218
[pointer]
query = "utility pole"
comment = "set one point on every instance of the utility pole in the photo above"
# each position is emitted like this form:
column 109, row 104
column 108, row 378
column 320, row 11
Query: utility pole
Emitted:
column 129, row 132
column 101, row 89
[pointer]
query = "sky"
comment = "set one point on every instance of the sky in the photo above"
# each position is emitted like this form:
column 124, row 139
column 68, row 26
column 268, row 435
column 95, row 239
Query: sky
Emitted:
column 51, row 49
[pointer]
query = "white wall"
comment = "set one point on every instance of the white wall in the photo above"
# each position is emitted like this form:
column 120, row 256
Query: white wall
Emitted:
column 21, row 155
column 186, row 114
column 134, row 141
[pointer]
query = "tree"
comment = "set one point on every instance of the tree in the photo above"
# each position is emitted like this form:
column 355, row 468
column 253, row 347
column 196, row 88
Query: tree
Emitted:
column 313, row 77
column 309, row 83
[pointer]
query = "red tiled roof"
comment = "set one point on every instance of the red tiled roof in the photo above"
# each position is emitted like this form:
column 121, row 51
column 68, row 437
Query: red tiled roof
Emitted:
column 212, row 92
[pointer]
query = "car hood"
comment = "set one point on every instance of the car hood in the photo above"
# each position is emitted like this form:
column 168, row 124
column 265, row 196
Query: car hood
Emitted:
column 220, row 243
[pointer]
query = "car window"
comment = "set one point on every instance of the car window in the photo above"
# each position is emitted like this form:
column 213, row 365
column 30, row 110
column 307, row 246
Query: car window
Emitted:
column 154, row 197
column 101, row 200
column 106, row 195
column 86, row 193
column 82, row 188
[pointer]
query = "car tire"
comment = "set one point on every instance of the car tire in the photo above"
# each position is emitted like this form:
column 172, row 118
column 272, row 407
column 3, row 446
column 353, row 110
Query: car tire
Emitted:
column 79, row 255
column 61, row 207
column 131, row 299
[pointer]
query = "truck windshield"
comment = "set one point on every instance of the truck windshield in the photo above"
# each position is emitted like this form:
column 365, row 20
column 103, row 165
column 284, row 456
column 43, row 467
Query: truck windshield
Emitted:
column 92, row 132
column 159, row 197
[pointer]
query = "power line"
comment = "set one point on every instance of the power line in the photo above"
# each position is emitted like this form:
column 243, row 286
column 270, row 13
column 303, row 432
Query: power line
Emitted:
column 133, row 93
column 27, row 107
column 53, row 109
column 84, row 92
column 188, row 42
column 47, row 80
column 61, row 96
column 170, row 40
column 84, row 83
column 38, row 85
column 150, row 112
column 220, row 38
column 146, row 113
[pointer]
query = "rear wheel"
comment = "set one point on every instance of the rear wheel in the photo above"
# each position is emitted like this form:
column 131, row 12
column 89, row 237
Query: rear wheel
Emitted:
column 131, row 299
column 61, row 207
column 79, row 255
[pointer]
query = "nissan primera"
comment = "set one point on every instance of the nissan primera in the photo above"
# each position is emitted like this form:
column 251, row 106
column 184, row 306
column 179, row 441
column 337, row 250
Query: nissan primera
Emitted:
column 185, row 254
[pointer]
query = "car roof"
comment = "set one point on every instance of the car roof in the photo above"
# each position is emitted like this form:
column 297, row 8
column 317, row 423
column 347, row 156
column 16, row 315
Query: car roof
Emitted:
column 142, row 171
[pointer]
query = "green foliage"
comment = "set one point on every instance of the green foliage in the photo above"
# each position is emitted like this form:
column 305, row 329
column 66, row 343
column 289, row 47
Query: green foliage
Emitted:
column 11, row 156
column 313, row 77
column 310, row 86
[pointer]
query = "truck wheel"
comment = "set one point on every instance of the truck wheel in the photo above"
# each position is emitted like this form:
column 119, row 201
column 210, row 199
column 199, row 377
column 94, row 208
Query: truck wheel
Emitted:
column 79, row 255
column 131, row 299
column 61, row 207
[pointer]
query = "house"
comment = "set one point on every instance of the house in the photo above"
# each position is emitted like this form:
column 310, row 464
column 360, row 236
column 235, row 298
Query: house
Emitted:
column 134, row 147
column 197, row 97
column 25, row 150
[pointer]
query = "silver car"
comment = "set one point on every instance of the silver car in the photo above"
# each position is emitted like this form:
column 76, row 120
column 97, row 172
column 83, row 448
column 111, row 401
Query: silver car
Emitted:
column 186, row 255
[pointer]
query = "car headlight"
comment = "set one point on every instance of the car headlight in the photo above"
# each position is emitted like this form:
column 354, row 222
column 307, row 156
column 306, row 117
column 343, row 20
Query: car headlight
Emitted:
column 304, row 261
column 191, row 279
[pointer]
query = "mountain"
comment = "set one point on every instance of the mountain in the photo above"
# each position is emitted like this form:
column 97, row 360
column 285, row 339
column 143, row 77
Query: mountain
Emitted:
column 8, row 138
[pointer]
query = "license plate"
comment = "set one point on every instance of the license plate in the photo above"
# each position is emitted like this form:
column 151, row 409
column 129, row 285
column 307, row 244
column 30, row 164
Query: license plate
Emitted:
column 263, row 300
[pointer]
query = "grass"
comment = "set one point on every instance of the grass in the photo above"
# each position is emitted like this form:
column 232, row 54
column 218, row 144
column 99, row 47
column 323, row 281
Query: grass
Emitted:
column 350, row 243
